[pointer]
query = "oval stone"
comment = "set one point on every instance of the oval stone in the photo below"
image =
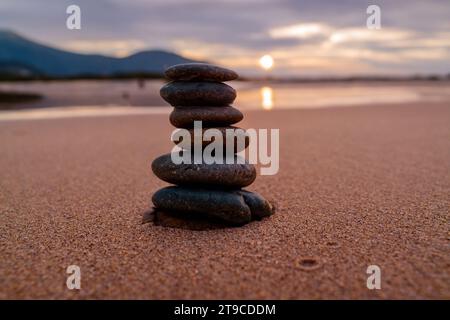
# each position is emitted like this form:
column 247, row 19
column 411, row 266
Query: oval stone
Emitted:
column 224, row 175
column 238, row 135
column 259, row 206
column 210, row 116
column 200, row 71
column 179, row 94
column 227, row 206
column 236, row 207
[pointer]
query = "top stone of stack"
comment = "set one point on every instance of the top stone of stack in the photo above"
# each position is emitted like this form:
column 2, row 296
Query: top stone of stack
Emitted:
column 199, row 72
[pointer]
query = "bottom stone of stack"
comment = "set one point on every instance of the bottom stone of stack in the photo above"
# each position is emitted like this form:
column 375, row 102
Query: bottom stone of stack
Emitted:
column 236, row 207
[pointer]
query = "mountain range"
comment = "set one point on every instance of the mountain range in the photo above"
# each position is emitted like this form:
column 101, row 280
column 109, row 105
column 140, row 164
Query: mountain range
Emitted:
column 23, row 58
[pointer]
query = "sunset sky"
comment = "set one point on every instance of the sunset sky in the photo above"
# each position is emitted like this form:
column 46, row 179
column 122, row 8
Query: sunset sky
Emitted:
column 304, row 37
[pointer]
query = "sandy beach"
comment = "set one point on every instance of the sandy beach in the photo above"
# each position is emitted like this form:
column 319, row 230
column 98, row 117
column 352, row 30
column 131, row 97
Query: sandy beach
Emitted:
column 357, row 186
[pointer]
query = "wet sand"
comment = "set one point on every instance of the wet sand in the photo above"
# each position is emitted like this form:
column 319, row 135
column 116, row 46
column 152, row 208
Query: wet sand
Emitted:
column 356, row 187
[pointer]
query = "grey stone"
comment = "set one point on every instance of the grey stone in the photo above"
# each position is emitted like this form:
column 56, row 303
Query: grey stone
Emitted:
column 185, row 220
column 218, row 175
column 200, row 71
column 240, row 134
column 259, row 206
column 223, row 205
column 210, row 116
column 229, row 206
column 183, row 94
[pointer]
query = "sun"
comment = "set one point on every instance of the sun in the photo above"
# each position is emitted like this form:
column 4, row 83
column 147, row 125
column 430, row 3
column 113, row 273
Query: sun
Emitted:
column 266, row 62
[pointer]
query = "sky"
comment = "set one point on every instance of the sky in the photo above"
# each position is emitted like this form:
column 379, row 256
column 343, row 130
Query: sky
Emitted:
column 305, row 38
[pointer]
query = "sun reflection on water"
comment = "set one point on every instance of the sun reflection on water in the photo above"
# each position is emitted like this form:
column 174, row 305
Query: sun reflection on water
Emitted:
column 267, row 98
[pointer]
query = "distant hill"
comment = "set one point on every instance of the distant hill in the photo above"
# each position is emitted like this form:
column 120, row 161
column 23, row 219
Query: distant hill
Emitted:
column 23, row 58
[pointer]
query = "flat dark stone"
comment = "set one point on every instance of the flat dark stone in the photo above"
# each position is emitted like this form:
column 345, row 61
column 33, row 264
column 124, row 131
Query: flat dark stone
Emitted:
column 224, row 175
column 210, row 116
column 180, row 93
column 240, row 134
column 229, row 206
column 184, row 220
column 200, row 71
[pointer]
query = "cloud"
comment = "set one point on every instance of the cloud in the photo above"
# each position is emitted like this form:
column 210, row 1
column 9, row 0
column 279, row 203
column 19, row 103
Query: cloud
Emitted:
column 363, row 35
column 117, row 48
column 303, row 36
column 300, row 31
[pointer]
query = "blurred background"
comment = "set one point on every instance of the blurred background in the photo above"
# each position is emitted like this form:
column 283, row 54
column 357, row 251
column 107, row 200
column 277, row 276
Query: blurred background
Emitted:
column 289, row 53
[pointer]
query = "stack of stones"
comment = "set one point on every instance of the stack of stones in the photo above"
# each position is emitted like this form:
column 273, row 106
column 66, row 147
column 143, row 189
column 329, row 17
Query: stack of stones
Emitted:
column 208, row 190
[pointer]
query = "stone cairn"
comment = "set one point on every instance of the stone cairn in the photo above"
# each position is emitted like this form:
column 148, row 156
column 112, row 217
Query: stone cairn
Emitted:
column 214, row 190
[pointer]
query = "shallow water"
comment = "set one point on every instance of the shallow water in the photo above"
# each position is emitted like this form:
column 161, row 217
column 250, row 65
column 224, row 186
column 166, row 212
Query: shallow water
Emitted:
column 115, row 97
column 317, row 95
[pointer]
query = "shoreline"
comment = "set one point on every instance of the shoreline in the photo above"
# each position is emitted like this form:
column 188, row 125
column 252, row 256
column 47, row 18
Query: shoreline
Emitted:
column 68, row 112
column 264, row 95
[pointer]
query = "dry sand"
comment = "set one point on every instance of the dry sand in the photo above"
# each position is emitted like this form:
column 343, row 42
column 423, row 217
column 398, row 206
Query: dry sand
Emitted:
column 357, row 186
